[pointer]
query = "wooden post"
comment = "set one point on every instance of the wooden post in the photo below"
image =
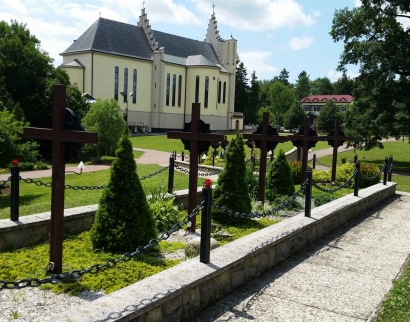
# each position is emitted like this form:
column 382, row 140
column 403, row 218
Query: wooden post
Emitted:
column 264, row 138
column 194, row 137
column 58, row 135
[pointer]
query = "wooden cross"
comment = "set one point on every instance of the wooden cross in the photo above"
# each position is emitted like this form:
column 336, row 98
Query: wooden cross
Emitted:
column 335, row 139
column 194, row 137
column 304, row 138
column 264, row 138
column 58, row 136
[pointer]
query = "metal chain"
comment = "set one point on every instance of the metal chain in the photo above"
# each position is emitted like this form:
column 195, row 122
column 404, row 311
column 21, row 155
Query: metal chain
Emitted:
column 67, row 186
column 3, row 182
column 318, row 161
column 181, row 169
column 94, row 269
column 346, row 184
column 155, row 173
column 375, row 176
column 391, row 168
column 258, row 214
column 36, row 182
column 201, row 174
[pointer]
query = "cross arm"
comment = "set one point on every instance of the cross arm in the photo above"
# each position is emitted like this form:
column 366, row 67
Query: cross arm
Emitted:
column 64, row 135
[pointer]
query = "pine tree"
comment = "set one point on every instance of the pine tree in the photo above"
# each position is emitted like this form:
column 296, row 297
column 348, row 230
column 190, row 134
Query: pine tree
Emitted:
column 251, row 110
column 232, row 190
column 123, row 220
column 279, row 180
column 241, row 87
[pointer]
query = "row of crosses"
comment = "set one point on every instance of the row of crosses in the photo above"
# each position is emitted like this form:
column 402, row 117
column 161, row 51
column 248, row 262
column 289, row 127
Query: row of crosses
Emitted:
column 266, row 139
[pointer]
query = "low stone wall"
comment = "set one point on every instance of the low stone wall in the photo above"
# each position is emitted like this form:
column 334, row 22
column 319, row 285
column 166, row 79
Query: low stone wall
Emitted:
column 183, row 290
column 35, row 229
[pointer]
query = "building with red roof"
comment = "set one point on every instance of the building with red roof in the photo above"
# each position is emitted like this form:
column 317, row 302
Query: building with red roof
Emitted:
column 313, row 103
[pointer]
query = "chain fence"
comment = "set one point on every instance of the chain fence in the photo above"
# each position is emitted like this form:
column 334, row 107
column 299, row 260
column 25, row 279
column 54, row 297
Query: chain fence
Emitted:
column 344, row 185
column 201, row 174
column 94, row 269
column 375, row 176
column 259, row 214
column 155, row 173
column 3, row 182
column 321, row 163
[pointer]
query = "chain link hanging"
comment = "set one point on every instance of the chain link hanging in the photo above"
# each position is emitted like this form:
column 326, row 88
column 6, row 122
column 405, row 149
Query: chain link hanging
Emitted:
column 94, row 269
column 345, row 185
column 155, row 173
column 375, row 176
column 3, row 182
column 258, row 214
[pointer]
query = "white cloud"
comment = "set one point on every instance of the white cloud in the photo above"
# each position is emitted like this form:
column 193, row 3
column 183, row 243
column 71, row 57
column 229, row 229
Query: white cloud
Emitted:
column 15, row 6
column 334, row 75
column 357, row 3
column 256, row 61
column 297, row 43
column 258, row 15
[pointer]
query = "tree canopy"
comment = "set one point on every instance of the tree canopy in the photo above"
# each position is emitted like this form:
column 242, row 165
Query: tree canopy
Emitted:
column 376, row 37
column 329, row 114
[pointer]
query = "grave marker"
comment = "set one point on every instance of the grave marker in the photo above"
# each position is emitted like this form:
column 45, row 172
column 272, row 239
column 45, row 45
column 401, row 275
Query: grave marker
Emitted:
column 195, row 137
column 58, row 136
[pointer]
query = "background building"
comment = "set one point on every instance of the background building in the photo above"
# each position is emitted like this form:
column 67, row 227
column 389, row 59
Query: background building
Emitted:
column 156, row 76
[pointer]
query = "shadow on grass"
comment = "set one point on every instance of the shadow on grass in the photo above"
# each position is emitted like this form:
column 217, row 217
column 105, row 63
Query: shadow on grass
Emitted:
column 399, row 167
column 23, row 200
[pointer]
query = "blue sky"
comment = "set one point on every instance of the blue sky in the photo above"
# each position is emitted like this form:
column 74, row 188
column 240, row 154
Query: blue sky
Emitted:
column 271, row 34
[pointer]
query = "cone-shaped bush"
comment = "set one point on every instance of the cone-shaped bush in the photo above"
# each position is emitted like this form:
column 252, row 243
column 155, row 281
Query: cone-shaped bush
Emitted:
column 232, row 189
column 279, row 180
column 123, row 220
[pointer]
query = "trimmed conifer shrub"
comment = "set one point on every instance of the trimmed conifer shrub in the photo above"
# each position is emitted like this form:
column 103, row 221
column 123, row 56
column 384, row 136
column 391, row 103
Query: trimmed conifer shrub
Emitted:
column 279, row 181
column 232, row 188
column 123, row 220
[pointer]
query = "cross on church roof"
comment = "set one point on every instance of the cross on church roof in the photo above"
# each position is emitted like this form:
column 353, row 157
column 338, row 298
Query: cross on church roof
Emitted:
column 58, row 136
column 213, row 8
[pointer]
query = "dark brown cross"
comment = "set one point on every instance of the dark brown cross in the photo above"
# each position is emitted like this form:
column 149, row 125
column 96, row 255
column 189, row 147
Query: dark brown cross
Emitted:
column 264, row 138
column 305, row 138
column 58, row 136
column 194, row 137
column 336, row 138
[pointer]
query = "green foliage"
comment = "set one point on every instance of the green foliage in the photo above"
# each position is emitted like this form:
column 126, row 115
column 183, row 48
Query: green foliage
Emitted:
column 77, row 102
column 321, row 86
column 321, row 176
column 279, row 178
column 123, row 220
column 30, row 166
column 302, row 86
column 294, row 204
column 296, row 170
column 294, row 116
column 241, row 86
column 329, row 114
column 369, row 170
column 376, row 39
column 104, row 117
column 163, row 210
column 282, row 98
column 323, row 198
column 344, row 172
column 12, row 145
column 232, row 190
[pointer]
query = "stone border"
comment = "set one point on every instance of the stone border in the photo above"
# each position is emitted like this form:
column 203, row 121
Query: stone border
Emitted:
column 182, row 291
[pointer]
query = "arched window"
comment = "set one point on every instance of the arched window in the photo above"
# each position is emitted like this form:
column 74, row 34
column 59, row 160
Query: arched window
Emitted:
column 116, row 83
column 174, row 88
column 206, row 92
column 224, row 94
column 134, row 86
column 197, row 89
column 125, row 84
column 167, row 89
column 179, row 90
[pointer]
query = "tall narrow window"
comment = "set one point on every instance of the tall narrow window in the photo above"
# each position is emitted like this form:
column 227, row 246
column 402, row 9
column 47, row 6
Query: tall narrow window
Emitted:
column 116, row 83
column 125, row 84
column 174, row 88
column 179, row 90
column 219, row 92
column 197, row 89
column 224, row 94
column 167, row 93
column 206, row 92
column 134, row 86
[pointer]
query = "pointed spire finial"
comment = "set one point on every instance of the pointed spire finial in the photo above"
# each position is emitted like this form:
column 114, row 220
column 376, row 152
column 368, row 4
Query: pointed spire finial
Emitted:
column 100, row 14
column 143, row 5
column 213, row 8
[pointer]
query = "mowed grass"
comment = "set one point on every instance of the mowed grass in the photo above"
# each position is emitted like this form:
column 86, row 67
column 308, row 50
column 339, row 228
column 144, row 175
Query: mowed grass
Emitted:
column 36, row 199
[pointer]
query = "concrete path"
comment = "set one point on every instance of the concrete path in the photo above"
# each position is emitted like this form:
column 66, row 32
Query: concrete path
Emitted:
column 343, row 277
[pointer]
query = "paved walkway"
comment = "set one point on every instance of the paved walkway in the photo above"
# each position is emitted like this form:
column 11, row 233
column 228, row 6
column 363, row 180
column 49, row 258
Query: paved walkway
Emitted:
column 342, row 277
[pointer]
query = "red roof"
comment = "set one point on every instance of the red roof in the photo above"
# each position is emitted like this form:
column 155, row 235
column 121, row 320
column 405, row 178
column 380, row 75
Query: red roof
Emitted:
column 324, row 98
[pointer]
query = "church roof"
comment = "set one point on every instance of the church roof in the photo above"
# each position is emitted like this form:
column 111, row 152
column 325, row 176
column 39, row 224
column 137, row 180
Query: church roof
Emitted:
column 324, row 98
column 118, row 38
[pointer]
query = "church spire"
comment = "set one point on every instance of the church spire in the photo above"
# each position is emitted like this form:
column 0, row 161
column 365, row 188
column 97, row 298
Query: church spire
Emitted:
column 212, row 35
column 144, row 24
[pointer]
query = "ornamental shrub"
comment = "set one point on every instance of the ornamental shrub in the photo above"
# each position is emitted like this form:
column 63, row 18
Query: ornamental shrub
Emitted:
column 369, row 170
column 279, row 179
column 344, row 172
column 123, row 220
column 231, row 190
column 323, row 198
column 319, row 176
column 296, row 170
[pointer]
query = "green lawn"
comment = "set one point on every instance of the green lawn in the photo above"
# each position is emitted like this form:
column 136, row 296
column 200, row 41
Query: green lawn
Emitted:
column 36, row 199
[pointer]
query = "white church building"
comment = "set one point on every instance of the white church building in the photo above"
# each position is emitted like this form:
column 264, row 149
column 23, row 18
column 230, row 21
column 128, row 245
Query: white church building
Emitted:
column 156, row 76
